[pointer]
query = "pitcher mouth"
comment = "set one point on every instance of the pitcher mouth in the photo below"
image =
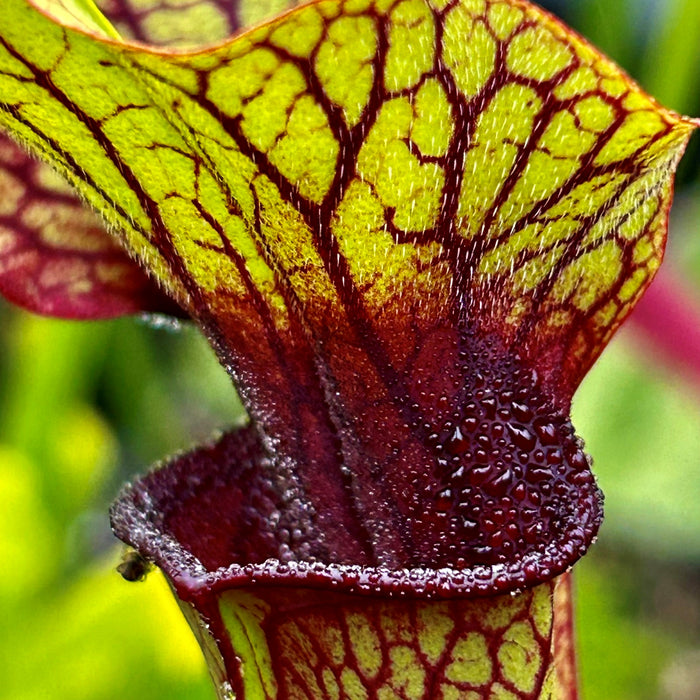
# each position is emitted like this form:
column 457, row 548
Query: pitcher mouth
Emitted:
column 192, row 518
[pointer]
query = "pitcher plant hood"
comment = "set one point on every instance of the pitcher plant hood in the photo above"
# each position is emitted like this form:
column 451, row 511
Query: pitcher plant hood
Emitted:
column 407, row 227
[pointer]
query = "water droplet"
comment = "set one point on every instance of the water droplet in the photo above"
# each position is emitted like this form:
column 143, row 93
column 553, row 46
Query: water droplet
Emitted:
column 546, row 431
column 500, row 485
column 161, row 321
column 578, row 461
column 520, row 491
column 561, row 489
column 531, row 533
column 444, row 500
column 470, row 424
column 554, row 457
column 521, row 411
column 479, row 474
column 457, row 443
column 433, row 441
column 582, row 478
column 496, row 539
column 488, row 525
column 483, row 441
column 489, row 404
column 522, row 437
column 470, row 527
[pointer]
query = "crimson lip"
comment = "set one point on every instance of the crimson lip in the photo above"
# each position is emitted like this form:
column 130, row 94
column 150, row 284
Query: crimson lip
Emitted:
column 192, row 517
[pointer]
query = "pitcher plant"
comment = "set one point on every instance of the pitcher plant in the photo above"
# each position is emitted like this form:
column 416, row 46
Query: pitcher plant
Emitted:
column 408, row 228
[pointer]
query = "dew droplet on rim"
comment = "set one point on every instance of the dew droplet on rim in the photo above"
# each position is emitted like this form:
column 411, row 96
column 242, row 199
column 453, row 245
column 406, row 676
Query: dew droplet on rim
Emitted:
column 512, row 467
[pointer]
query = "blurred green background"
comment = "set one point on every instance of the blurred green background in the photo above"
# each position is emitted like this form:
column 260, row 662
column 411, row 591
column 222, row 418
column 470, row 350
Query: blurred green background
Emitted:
column 85, row 406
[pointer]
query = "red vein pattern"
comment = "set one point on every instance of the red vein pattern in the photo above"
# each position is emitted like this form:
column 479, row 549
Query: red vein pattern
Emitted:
column 408, row 227
column 56, row 257
column 182, row 23
column 486, row 196
column 313, row 631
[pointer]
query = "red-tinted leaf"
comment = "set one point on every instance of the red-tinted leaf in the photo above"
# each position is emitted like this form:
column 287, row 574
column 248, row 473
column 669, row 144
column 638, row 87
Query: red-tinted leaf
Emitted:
column 56, row 257
column 187, row 22
column 565, row 638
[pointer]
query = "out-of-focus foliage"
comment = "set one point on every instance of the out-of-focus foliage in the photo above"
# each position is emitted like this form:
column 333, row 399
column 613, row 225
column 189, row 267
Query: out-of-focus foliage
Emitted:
column 638, row 604
column 85, row 405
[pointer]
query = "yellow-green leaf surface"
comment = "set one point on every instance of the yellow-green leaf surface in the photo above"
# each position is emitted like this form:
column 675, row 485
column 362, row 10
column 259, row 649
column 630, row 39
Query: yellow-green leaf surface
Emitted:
column 403, row 149
column 56, row 256
column 80, row 14
column 355, row 194
column 296, row 643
